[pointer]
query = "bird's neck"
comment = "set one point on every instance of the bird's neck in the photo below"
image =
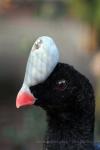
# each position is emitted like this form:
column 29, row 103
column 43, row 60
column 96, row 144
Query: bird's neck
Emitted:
column 66, row 132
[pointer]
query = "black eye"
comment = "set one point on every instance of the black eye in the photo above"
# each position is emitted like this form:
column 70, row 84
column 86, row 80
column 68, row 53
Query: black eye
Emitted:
column 61, row 85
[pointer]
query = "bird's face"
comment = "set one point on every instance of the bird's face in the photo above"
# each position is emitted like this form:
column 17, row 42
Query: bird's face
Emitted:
column 57, row 91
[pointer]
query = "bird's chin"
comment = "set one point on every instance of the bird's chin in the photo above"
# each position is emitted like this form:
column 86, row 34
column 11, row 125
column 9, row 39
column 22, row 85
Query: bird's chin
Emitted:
column 38, row 103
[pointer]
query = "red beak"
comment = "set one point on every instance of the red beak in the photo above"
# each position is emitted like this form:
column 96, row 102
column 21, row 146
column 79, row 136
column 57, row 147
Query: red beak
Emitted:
column 24, row 98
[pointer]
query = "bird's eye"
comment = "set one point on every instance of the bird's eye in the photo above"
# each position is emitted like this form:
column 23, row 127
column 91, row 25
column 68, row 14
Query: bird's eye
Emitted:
column 61, row 85
column 38, row 44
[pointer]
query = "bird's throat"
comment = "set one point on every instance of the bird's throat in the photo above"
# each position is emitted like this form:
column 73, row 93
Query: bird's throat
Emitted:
column 64, row 136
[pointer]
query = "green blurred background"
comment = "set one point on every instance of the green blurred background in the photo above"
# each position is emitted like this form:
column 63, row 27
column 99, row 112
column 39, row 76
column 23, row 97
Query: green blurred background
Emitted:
column 75, row 27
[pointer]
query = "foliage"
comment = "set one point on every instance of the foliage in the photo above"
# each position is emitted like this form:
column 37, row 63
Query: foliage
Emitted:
column 87, row 10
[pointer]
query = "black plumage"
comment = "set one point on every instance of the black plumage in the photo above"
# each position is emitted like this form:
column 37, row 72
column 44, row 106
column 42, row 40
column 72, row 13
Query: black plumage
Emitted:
column 68, row 99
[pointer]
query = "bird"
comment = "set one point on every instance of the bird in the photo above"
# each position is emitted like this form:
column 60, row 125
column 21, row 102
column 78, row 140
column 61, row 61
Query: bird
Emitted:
column 68, row 99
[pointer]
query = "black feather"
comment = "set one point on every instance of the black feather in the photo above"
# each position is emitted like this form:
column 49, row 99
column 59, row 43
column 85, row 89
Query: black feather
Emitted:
column 70, row 108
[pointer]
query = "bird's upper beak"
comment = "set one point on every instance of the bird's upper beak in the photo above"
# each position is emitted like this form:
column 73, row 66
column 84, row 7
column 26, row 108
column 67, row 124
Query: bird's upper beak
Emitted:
column 24, row 98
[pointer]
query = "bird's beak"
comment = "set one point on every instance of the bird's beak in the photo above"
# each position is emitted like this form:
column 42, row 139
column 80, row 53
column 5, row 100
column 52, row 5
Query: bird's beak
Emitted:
column 24, row 98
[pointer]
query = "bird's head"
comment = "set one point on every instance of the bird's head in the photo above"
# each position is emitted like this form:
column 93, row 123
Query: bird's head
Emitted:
column 52, row 85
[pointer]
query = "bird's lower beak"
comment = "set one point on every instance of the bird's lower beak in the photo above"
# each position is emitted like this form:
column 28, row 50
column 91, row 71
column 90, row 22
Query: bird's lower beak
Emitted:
column 24, row 98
